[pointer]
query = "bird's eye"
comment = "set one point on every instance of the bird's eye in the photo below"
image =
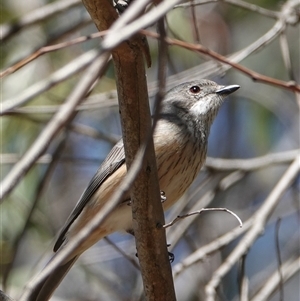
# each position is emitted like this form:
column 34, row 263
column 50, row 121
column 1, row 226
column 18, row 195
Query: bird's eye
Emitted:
column 195, row 89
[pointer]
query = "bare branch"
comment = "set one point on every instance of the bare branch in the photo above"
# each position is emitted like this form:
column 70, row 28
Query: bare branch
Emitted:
column 289, row 269
column 119, row 33
column 38, row 15
column 258, row 225
column 57, row 77
column 49, row 49
column 40, row 189
column 54, row 126
column 94, row 223
column 253, row 163
column 136, row 127
column 293, row 86
column 201, row 211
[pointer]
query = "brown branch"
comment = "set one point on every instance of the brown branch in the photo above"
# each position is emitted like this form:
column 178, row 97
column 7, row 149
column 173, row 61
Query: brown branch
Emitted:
column 53, row 127
column 260, row 219
column 48, row 49
column 39, row 15
column 136, row 127
column 86, row 231
column 291, row 85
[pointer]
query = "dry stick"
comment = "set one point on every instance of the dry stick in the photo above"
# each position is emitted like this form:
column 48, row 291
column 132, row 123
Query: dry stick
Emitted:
column 194, row 3
column 243, row 279
column 97, row 101
column 279, row 261
column 149, row 276
column 286, row 13
column 252, row 163
column 39, row 15
column 119, row 250
column 238, row 3
column 195, row 25
column 260, row 219
column 253, row 7
column 223, row 165
column 204, row 201
column 284, row 46
column 4, row 297
column 198, row 212
column 48, row 49
column 50, row 40
column 209, row 69
column 120, row 33
column 57, row 77
column 176, row 233
column 136, row 124
column 93, row 224
column 38, row 88
column 254, row 75
column 211, row 163
column 40, row 189
column 53, row 127
column 211, row 247
column 289, row 269
column 89, row 131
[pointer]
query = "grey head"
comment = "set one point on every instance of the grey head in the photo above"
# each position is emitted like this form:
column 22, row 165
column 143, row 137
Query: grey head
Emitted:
column 194, row 105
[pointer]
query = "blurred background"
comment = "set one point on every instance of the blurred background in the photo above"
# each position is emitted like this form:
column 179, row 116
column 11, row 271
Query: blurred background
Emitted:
column 257, row 120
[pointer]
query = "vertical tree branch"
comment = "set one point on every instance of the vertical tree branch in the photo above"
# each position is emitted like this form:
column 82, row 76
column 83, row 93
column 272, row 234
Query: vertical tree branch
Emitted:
column 136, row 127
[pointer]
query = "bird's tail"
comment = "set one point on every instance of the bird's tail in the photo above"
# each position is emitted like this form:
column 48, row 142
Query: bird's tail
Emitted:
column 45, row 290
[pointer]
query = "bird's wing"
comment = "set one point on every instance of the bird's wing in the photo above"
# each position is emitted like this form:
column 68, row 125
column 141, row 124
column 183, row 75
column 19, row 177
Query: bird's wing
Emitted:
column 113, row 161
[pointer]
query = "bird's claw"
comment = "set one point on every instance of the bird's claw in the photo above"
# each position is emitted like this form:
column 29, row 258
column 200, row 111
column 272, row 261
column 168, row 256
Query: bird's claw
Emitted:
column 121, row 5
column 163, row 197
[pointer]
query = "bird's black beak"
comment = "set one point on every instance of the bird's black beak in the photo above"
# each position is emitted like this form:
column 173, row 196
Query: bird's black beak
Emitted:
column 227, row 89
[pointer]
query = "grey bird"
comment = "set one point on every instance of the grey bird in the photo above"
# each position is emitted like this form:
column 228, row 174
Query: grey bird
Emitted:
column 180, row 140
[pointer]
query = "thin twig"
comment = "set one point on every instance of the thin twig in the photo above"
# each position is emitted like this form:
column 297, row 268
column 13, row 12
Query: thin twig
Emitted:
column 253, row 163
column 55, row 78
column 119, row 250
column 48, row 49
column 94, row 102
column 54, row 126
column 211, row 247
column 94, row 223
column 254, row 75
column 279, row 261
column 289, row 268
column 258, row 226
column 40, row 189
column 243, row 279
column 179, row 217
column 41, row 14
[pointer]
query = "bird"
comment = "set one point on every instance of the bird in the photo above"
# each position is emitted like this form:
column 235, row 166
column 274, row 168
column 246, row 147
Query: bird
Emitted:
column 180, row 142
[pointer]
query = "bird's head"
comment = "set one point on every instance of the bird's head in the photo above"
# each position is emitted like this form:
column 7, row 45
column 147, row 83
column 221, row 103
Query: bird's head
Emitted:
column 199, row 99
column 194, row 105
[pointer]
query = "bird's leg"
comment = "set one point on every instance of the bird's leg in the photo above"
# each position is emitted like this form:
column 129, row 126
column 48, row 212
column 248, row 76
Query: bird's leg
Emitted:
column 163, row 197
column 171, row 255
